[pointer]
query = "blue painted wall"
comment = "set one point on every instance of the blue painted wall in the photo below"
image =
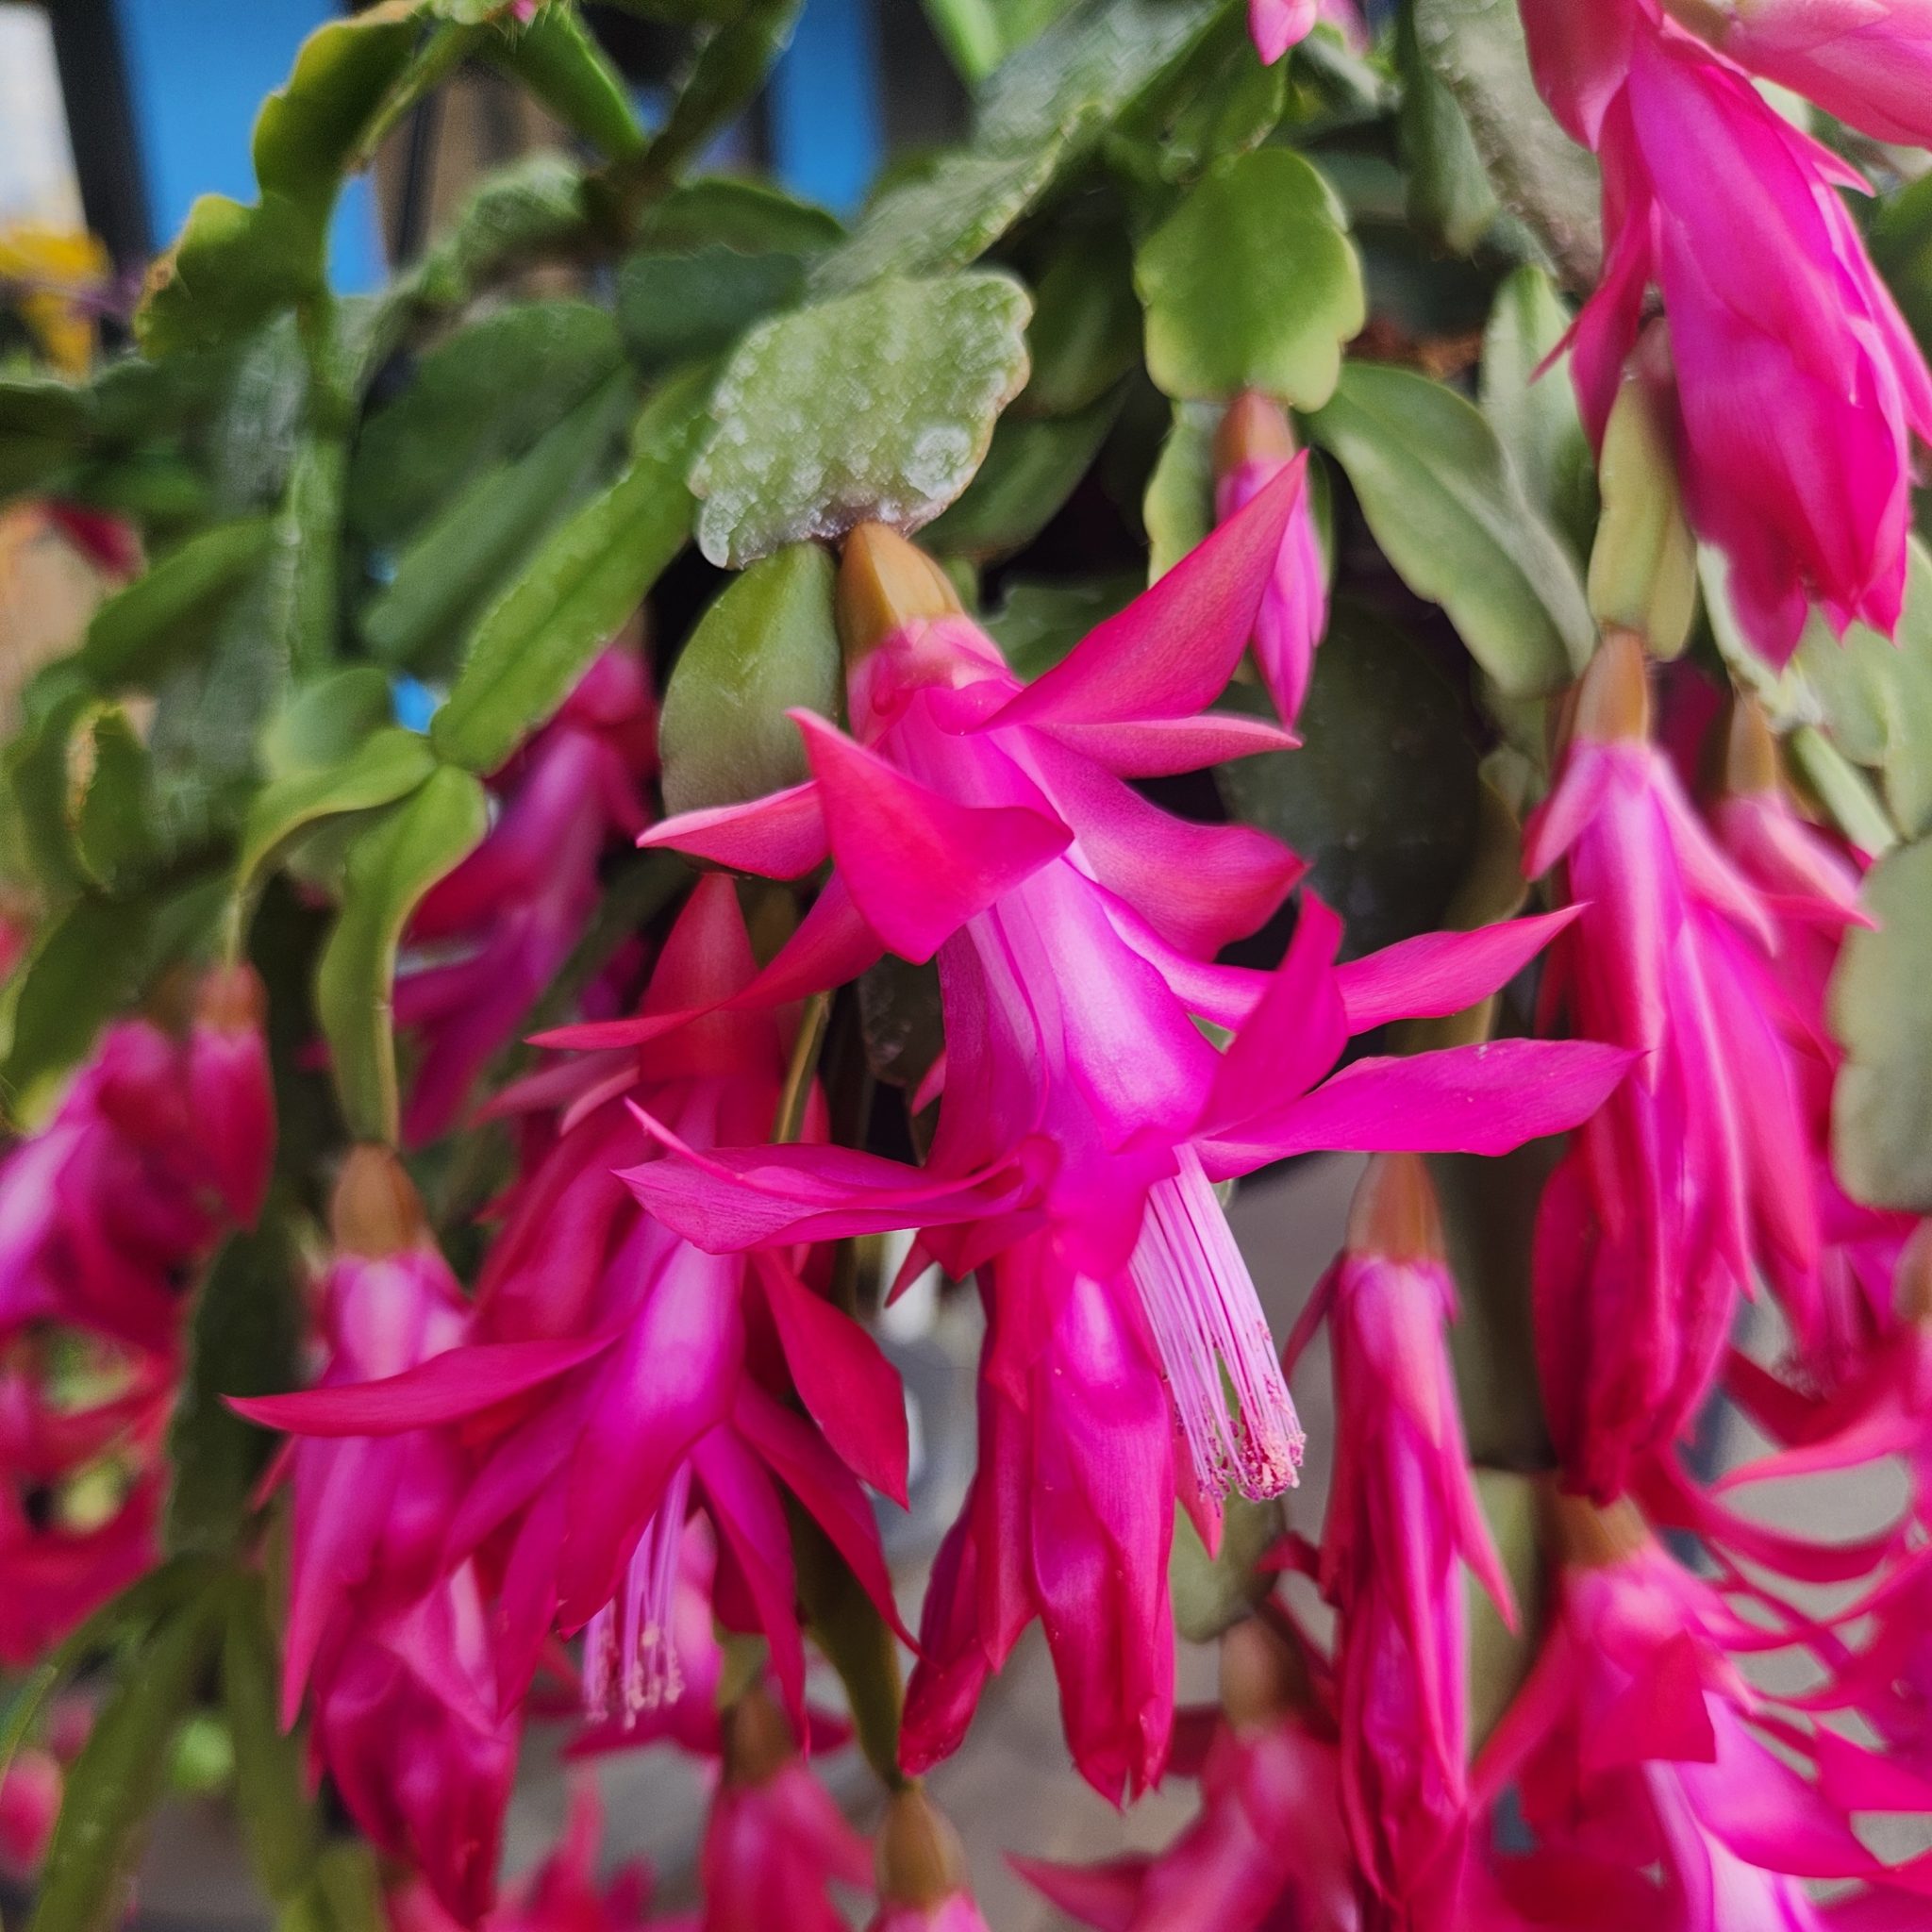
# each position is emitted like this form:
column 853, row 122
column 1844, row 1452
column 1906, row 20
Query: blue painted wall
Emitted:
column 197, row 70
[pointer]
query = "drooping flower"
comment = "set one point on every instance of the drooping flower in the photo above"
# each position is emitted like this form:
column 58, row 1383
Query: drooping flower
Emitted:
column 1084, row 1115
column 1270, row 1850
column 1070, row 1519
column 774, row 1842
column 496, row 929
column 1632, row 1750
column 157, row 1146
column 617, row 1377
column 1253, row 444
column 1403, row 1520
column 406, row 1716
column 987, row 823
column 1699, row 1162
column 1799, row 388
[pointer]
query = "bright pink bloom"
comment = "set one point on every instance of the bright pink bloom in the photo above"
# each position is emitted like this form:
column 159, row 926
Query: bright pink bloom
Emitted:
column 1269, row 1851
column 1867, row 61
column 775, row 1840
column 402, row 1716
column 1799, row 387
column 1842, row 1308
column 616, row 1377
column 371, row 1512
column 1630, row 1746
column 1701, row 1159
column 497, row 928
column 1254, row 446
column 1070, row 1519
column 156, row 1147
column 58, row 1570
column 987, row 823
column 1403, row 1520
column 405, row 1712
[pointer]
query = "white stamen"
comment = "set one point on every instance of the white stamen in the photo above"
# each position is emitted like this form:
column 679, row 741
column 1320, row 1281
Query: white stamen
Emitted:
column 1207, row 1319
column 630, row 1652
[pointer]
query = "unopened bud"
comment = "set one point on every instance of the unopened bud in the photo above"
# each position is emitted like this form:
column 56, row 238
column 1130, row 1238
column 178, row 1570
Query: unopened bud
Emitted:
column 1643, row 566
column 1255, row 429
column 758, row 1740
column 1263, row 1676
column 1613, row 701
column 919, row 1858
column 375, row 1210
column 1592, row 1536
column 1394, row 1212
column 886, row 583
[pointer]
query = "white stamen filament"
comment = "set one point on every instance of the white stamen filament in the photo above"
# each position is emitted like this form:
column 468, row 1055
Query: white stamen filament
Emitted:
column 630, row 1651
column 1207, row 1319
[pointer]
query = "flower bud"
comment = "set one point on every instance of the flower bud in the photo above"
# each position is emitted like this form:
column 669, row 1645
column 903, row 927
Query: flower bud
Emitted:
column 1643, row 566
column 886, row 583
column 1255, row 429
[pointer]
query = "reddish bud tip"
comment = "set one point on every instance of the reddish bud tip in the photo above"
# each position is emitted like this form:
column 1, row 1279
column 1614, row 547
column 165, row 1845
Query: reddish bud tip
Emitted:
column 1915, row 1278
column 1750, row 750
column 375, row 1211
column 1394, row 1212
column 1613, row 701
column 1262, row 1675
column 232, row 999
column 1592, row 1536
column 1255, row 429
column 884, row 584
column 919, row 1860
column 757, row 1741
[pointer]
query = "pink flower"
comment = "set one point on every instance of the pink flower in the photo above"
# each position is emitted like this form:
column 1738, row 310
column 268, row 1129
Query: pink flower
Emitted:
column 61, row 1564
column 1867, row 61
column 775, row 1840
column 1700, row 1161
column 1799, row 388
column 403, row 1718
column 921, row 1871
column 1630, row 1745
column 497, row 928
column 371, row 1513
column 1403, row 1520
column 616, row 1377
column 406, row 1719
column 1268, row 1851
column 1254, row 445
column 988, row 824
column 1070, row 1519
column 156, row 1147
